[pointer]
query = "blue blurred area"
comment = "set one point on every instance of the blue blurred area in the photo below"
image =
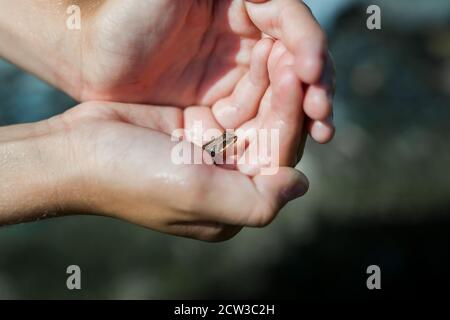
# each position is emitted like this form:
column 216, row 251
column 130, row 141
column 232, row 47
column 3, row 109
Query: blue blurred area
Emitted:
column 27, row 99
column 379, row 192
column 404, row 14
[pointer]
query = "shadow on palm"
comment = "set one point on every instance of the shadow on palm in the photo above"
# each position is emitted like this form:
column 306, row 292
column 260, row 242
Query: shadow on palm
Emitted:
column 189, row 53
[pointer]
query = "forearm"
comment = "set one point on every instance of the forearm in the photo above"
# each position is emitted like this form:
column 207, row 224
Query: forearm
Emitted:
column 34, row 176
column 34, row 35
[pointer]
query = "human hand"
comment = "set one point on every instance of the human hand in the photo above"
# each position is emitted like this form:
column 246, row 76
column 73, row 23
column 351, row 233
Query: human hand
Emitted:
column 123, row 152
column 115, row 159
column 274, row 100
column 144, row 51
column 213, row 201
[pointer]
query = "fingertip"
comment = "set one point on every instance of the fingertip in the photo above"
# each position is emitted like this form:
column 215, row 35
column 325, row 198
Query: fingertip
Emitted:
column 296, row 188
column 322, row 131
column 318, row 104
column 284, row 186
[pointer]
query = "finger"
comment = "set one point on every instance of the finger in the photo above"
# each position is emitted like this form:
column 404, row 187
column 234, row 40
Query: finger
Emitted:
column 292, row 22
column 318, row 103
column 277, row 53
column 243, row 104
column 286, row 113
column 279, row 60
column 284, row 118
column 279, row 57
column 321, row 131
column 288, row 184
column 200, row 125
column 206, row 193
column 235, row 199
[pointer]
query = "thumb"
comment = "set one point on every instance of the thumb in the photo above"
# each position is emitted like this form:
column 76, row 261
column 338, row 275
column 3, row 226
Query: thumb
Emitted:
column 286, row 185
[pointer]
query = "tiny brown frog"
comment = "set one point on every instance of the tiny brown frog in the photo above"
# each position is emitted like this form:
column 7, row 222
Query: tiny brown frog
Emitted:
column 219, row 144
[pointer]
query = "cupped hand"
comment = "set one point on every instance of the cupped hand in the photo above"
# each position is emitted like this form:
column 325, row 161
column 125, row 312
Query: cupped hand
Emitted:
column 185, row 53
column 119, row 156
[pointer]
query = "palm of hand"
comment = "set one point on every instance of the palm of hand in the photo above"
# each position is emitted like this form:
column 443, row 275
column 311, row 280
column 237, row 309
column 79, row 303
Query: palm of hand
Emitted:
column 196, row 49
column 209, row 54
column 126, row 152
column 189, row 54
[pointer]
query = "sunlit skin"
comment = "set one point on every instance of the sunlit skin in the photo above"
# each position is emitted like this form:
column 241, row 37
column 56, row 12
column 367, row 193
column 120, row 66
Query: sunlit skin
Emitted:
column 187, row 61
column 114, row 159
column 165, row 52
column 202, row 50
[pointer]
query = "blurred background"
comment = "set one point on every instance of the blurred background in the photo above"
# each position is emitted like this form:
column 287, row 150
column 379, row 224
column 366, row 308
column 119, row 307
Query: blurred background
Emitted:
column 380, row 192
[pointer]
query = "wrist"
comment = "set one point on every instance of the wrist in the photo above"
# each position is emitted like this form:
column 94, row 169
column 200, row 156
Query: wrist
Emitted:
column 37, row 178
column 35, row 36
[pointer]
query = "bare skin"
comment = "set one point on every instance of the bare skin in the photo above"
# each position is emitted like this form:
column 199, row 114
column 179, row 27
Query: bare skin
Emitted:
column 114, row 160
column 207, row 64
column 144, row 51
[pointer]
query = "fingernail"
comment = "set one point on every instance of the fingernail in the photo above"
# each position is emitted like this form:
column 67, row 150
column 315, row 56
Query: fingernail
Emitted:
column 297, row 190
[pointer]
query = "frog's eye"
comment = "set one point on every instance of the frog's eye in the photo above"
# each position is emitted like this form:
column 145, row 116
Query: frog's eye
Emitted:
column 219, row 144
